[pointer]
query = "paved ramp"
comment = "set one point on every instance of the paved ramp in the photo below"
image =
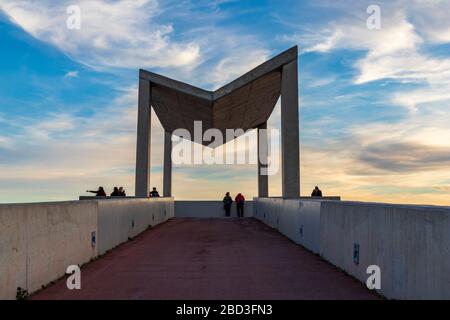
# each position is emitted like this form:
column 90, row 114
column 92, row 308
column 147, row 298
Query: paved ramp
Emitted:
column 210, row 259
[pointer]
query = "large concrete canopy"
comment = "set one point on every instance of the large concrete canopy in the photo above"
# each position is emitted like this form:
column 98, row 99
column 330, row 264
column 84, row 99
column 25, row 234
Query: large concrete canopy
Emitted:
column 244, row 103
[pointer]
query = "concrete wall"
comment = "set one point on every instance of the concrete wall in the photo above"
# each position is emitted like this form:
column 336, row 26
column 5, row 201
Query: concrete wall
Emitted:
column 119, row 220
column 411, row 244
column 208, row 209
column 297, row 219
column 38, row 241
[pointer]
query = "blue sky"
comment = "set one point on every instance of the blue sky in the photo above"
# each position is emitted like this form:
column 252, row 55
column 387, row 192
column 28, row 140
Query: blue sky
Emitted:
column 374, row 104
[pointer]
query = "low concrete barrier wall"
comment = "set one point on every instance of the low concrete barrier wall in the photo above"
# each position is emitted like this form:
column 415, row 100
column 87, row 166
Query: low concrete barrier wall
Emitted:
column 297, row 219
column 208, row 209
column 39, row 241
column 119, row 220
column 410, row 244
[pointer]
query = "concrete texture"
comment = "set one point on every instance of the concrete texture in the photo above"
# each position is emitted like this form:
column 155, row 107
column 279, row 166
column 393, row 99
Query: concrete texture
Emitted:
column 119, row 220
column 143, row 145
column 244, row 103
column 290, row 143
column 210, row 259
column 208, row 209
column 411, row 245
column 299, row 220
column 167, row 173
column 263, row 152
column 39, row 241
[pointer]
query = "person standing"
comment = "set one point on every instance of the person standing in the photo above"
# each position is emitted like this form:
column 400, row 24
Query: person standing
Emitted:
column 115, row 192
column 227, row 201
column 154, row 193
column 240, row 201
column 99, row 193
column 316, row 192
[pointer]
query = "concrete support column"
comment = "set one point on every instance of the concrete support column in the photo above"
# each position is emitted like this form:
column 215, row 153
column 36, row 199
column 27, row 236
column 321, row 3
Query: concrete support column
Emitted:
column 143, row 145
column 263, row 150
column 290, row 148
column 167, row 184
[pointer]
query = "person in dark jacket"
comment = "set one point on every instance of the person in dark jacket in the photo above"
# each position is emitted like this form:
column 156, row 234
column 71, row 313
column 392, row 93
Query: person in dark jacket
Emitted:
column 99, row 193
column 240, row 201
column 154, row 193
column 316, row 192
column 115, row 192
column 227, row 201
column 122, row 192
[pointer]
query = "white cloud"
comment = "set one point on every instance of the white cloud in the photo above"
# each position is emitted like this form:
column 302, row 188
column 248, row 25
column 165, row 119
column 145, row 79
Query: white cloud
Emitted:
column 386, row 47
column 237, row 63
column 113, row 33
column 63, row 154
column 71, row 74
column 431, row 18
column 396, row 51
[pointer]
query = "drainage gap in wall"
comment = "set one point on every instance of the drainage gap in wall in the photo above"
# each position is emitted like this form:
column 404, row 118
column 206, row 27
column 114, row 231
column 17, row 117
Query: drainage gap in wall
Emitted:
column 301, row 231
column 356, row 253
column 93, row 239
column 153, row 217
column 132, row 224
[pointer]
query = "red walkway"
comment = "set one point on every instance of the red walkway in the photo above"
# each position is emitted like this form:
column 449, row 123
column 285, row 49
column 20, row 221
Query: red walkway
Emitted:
column 210, row 259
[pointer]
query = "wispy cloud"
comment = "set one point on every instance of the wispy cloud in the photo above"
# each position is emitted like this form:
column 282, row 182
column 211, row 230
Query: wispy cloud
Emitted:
column 71, row 74
column 112, row 34
column 396, row 51
column 354, row 143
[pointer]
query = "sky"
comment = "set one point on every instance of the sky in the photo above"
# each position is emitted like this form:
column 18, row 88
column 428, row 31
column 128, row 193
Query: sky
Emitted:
column 374, row 103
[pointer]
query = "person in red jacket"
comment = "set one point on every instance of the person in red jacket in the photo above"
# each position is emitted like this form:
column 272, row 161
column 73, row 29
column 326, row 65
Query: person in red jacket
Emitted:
column 240, row 200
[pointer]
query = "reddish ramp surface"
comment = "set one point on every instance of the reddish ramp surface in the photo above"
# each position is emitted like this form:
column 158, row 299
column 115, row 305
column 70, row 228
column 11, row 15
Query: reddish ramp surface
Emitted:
column 210, row 259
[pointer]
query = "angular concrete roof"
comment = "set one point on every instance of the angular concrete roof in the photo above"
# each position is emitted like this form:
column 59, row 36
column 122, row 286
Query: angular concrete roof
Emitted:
column 244, row 103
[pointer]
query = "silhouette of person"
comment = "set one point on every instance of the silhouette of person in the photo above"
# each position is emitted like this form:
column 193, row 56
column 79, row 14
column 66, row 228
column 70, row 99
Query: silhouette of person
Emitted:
column 115, row 192
column 99, row 193
column 122, row 192
column 316, row 192
column 154, row 193
column 227, row 201
column 240, row 200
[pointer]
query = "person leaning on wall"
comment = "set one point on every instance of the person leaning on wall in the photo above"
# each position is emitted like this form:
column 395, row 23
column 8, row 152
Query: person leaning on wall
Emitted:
column 154, row 193
column 240, row 201
column 99, row 193
column 227, row 201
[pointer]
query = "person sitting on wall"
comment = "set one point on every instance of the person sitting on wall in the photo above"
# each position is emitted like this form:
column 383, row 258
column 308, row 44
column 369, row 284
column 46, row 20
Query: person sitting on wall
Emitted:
column 122, row 192
column 115, row 192
column 227, row 201
column 316, row 192
column 240, row 200
column 99, row 193
column 154, row 193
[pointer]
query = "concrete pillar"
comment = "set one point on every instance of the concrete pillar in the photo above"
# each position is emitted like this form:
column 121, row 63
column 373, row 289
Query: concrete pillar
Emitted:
column 263, row 150
column 167, row 184
column 143, row 145
column 290, row 148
